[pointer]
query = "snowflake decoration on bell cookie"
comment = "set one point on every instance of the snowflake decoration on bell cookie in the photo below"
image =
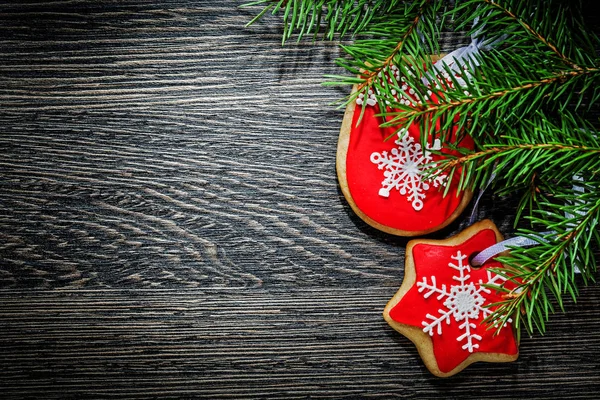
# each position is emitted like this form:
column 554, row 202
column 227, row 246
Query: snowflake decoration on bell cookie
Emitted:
column 463, row 302
column 403, row 169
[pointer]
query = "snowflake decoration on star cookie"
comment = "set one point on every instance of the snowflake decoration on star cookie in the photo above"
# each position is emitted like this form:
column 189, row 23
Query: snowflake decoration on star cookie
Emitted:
column 463, row 302
column 443, row 302
column 403, row 169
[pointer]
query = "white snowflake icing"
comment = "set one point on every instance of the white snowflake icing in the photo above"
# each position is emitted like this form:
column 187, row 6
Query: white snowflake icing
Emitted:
column 371, row 99
column 463, row 302
column 404, row 167
column 401, row 97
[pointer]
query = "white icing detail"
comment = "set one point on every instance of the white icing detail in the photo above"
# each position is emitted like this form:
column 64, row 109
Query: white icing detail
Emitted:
column 403, row 168
column 463, row 302
column 359, row 99
column 371, row 99
column 392, row 75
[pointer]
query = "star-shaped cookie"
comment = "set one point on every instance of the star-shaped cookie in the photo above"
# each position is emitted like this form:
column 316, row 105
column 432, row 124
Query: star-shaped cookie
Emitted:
column 443, row 300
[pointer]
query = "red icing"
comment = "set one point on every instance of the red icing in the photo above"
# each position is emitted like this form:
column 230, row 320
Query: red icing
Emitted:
column 365, row 178
column 432, row 261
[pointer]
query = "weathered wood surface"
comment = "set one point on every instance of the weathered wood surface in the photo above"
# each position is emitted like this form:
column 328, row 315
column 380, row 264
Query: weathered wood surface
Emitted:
column 171, row 224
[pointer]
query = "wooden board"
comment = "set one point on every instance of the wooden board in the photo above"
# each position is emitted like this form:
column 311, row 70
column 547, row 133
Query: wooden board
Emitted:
column 171, row 225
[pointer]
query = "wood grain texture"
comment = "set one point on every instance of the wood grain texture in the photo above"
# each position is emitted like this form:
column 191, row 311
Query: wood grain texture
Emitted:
column 171, row 225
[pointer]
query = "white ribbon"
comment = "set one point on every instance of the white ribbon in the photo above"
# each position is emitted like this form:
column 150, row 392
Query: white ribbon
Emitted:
column 492, row 251
column 520, row 241
column 455, row 61
column 461, row 57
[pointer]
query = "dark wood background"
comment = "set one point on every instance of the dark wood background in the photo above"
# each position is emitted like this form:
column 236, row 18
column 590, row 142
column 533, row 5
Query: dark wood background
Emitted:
column 171, row 224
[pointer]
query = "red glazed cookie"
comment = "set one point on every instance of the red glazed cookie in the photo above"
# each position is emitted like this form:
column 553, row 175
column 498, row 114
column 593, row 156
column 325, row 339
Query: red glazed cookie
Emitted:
column 442, row 303
column 380, row 175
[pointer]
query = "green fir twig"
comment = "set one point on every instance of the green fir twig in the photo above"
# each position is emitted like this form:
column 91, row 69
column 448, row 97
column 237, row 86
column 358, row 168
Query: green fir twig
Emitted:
column 529, row 101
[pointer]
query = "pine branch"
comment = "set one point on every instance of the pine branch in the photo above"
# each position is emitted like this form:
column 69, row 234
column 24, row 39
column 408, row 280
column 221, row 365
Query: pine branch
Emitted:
column 522, row 163
column 551, row 26
column 536, row 34
column 443, row 107
column 372, row 73
column 550, row 265
column 305, row 17
column 408, row 32
column 562, row 204
column 482, row 106
column 524, row 103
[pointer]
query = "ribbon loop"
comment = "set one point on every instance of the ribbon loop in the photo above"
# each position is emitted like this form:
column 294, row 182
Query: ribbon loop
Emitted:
column 492, row 251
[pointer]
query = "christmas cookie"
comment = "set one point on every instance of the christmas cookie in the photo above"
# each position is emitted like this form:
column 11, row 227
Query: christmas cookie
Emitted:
column 380, row 174
column 442, row 302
